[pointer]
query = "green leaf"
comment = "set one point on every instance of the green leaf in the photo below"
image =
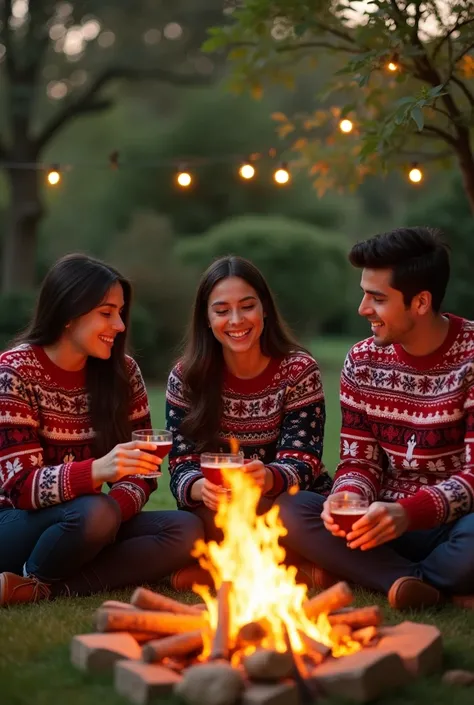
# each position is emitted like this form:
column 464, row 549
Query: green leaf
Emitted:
column 417, row 116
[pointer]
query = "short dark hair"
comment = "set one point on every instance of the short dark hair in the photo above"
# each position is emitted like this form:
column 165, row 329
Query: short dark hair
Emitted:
column 418, row 258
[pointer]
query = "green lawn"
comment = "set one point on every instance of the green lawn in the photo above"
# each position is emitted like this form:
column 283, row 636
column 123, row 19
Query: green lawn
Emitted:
column 34, row 640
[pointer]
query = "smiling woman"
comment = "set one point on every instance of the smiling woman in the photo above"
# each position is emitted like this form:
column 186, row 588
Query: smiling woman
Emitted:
column 70, row 400
column 243, row 376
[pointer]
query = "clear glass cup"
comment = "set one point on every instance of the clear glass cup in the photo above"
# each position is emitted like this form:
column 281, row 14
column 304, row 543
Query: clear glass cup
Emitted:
column 163, row 440
column 212, row 465
column 347, row 510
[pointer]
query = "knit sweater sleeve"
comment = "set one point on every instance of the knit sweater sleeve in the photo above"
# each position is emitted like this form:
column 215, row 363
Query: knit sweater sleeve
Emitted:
column 360, row 468
column 452, row 498
column 184, row 460
column 24, row 477
column 131, row 492
column 300, row 445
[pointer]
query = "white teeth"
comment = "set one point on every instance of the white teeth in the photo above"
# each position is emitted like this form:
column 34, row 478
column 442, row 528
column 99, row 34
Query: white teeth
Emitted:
column 239, row 335
column 107, row 340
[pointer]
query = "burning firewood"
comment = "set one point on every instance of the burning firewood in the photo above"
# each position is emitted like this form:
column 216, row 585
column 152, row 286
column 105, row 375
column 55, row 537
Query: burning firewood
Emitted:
column 339, row 632
column 366, row 635
column 251, row 633
column 149, row 600
column 220, row 644
column 357, row 618
column 335, row 597
column 314, row 649
column 117, row 605
column 172, row 646
column 147, row 621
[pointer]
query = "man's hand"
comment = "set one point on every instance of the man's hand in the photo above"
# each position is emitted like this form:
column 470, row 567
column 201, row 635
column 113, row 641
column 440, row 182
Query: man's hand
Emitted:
column 383, row 521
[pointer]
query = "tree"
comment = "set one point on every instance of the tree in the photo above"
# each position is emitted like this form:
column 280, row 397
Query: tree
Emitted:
column 404, row 77
column 58, row 61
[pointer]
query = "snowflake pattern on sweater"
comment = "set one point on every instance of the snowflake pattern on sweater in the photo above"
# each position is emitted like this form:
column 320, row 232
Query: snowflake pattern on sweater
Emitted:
column 277, row 417
column 46, row 435
column 408, row 427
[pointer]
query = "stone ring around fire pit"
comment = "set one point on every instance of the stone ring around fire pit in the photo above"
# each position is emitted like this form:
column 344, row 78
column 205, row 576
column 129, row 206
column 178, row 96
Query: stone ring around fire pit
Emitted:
column 156, row 645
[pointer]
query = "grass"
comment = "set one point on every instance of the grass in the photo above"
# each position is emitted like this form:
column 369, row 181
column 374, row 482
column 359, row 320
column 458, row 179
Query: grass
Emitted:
column 34, row 640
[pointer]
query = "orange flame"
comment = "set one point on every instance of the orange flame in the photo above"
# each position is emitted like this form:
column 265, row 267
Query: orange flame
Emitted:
column 263, row 587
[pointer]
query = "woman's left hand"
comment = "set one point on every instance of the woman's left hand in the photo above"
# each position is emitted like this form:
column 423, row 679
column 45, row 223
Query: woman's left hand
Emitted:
column 260, row 474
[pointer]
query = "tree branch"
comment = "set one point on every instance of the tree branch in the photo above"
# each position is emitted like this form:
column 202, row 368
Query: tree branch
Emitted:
column 464, row 89
column 463, row 53
column 87, row 101
column 447, row 36
column 442, row 134
column 319, row 45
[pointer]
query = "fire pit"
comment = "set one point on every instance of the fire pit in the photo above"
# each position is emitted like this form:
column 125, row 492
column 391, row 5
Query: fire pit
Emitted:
column 258, row 640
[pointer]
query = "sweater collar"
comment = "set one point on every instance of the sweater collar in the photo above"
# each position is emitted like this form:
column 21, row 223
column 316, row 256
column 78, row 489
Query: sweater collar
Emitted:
column 426, row 362
column 64, row 378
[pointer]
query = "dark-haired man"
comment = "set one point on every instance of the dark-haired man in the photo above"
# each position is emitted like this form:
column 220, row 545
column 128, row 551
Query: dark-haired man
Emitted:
column 407, row 439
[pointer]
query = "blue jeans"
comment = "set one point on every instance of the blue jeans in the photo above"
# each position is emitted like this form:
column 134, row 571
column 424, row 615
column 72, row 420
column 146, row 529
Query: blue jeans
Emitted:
column 82, row 547
column 443, row 557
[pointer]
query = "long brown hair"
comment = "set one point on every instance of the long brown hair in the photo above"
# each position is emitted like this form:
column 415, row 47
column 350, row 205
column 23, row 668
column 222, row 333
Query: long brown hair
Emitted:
column 203, row 361
column 75, row 285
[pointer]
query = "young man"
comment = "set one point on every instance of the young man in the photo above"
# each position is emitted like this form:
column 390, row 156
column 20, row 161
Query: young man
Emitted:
column 407, row 439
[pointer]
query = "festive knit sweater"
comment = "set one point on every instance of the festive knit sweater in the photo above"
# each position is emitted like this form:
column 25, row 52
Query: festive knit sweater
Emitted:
column 408, row 427
column 46, row 435
column 277, row 417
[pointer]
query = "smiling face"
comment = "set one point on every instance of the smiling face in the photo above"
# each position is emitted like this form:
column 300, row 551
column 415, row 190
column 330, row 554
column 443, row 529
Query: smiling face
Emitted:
column 235, row 314
column 94, row 333
column 391, row 321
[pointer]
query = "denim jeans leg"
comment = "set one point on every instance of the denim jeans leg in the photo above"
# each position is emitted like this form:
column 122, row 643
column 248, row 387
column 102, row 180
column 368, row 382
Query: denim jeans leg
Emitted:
column 149, row 546
column 376, row 569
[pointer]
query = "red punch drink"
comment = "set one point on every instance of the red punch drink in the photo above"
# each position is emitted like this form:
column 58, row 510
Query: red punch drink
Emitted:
column 345, row 518
column 346, row 510
column 163, row 441
column 162, row 449
column 212, row 465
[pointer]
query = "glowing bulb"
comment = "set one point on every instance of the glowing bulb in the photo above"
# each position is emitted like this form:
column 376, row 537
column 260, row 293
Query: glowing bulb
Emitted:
column 415, row 175
column 282, row 175
column 346, row 126
column 184, row 179
column 392, row 66
column 247, row 171
column 54, row 177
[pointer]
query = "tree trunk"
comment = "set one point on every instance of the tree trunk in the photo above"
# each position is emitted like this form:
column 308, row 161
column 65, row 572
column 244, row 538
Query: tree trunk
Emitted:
column 466, row 163
column 20, row 237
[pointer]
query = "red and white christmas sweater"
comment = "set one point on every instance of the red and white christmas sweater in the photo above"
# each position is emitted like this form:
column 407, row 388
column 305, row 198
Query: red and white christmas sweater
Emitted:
column 277, row 417
column 46, row 435
column 408, row 427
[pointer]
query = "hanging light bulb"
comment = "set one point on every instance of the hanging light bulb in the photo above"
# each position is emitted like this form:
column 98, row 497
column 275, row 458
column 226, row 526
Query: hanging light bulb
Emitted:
column 415, row 174
column 392, row 66
column 346, row 126
column 282, row 175
column 247, row 171
column 53, row 176
column 184, row 179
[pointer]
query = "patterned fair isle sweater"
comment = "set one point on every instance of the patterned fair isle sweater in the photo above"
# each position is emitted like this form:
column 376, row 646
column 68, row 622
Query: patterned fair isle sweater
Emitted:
column 277, row 417
column 46, row 435
column 408, row 427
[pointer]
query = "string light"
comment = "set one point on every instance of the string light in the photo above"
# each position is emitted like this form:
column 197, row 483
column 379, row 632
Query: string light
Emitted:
column 415, row 174
column 184, row 179
column 392, row 66
column 53, row 176
column 247, row 171
column 281, row 175
column 346, row 126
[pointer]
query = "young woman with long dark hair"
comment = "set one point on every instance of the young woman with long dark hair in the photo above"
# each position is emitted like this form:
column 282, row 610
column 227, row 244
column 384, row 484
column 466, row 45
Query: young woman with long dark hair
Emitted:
column 69, row 400
column 243, row 375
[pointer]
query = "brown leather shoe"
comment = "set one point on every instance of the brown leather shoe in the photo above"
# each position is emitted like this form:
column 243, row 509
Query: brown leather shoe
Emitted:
column 185, row 578
column 412, row 593
column 314, row 577
column 16, row 590
column 465, row 601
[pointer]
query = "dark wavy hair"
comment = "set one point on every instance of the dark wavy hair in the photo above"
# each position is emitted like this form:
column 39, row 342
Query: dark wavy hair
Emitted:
column 75, row 285
column 203, row 360
column 418, row 258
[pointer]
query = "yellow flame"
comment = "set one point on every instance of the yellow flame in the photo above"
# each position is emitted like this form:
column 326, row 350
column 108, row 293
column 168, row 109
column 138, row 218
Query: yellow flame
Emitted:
column 263, row 587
